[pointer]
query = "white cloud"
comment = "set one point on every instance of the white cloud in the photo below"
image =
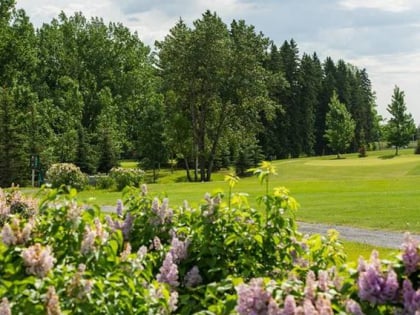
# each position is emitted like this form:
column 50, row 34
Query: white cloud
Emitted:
column 385, row 5
column 386, row 71
column 382, row 36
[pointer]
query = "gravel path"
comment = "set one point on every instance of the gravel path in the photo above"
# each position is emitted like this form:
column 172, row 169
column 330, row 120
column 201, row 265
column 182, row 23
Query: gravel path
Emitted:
column 364, row 236
column 371, row 237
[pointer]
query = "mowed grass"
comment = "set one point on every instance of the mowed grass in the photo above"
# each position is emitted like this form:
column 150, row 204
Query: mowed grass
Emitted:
column 378, row 192
column 356, row 250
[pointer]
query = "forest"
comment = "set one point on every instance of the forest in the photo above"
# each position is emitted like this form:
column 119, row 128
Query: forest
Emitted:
column 207, row 96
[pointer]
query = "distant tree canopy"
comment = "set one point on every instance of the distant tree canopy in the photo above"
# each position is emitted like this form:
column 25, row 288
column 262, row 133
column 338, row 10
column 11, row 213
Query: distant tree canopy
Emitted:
column 210, row 96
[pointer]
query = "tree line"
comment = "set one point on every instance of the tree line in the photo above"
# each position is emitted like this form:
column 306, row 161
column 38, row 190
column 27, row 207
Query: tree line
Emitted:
column 210, row 95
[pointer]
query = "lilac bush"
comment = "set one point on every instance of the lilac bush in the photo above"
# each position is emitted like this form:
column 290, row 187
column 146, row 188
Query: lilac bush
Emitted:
column 222, row 257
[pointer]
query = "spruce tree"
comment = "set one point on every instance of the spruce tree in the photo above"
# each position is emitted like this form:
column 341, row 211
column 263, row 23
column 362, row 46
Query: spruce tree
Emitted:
column 400, row 128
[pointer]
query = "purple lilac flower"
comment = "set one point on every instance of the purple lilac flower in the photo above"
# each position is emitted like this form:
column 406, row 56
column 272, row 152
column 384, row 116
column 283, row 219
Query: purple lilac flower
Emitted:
column 127, row 225
column 168, row 271
column 124, row 226
column 173, row 301
column 52, row 302
column 179, row 249
column 353, row 308
column 273, row 308
column 411, row 298
column 375, row 286
column 252, row 298
column 323, row 305
column 193, row 278
column 310, row 286
column 119, row 209
column 126, row 252
column 309, row 308
column 157, row 243
column 289, row 305
column 38, row 260
column 323, row 280
column 7, row 235
column 88, row 242
column 410, row 256
column 142, row 252
column 143, row 188
column 74, row 213
column 163, row 213
column 5, row 307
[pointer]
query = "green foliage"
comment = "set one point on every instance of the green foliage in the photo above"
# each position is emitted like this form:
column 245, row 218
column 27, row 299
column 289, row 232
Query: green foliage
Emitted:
column 400, row 128
column 104, row 182
column 66, row 174
column 124, row 177
column 218, row 258
column 340, row 126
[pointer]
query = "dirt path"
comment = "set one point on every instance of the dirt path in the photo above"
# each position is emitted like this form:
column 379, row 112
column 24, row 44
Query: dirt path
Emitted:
column 371, row 237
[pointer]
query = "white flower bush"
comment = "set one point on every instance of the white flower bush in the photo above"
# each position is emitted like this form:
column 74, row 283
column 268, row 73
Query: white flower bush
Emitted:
column 66, row 174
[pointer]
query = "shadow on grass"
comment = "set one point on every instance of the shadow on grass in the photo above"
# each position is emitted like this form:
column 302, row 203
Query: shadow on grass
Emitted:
column 387, row 157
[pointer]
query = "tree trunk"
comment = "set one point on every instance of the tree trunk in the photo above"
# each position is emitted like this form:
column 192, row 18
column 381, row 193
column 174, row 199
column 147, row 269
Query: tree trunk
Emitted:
column 187, row 169
column 396, row 150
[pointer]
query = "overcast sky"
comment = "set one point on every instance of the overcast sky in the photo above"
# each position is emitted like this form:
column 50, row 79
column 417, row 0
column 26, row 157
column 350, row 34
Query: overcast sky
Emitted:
column 382, row 36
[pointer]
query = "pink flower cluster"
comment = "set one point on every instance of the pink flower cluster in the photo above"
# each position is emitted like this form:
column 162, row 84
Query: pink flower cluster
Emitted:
column 79, row 286
column 52, row 302
column 411, row 298
column 253, row 298
column 212, row 203
column 163, row 213
column 179, row 249
column 5, row 307
column 193, row 278
column 38, row 260
column 374, row 285
column 410, row 256
column 93, row 236
column 168, row 272
column 13, row 234
column 124, row 226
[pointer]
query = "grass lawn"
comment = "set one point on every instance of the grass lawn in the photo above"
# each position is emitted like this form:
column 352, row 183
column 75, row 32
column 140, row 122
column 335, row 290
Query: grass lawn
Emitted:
column 379, row 191
column 355, row 250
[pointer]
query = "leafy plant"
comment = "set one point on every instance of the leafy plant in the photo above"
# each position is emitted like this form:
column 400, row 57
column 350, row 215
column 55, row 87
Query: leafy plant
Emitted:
column 66, row 174
column 124, row 177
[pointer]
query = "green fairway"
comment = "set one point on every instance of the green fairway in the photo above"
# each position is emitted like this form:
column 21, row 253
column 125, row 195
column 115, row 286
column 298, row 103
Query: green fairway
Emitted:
column 379, row 191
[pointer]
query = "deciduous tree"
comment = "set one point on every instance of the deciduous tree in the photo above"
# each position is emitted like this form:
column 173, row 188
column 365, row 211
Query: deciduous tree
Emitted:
column 340, row 126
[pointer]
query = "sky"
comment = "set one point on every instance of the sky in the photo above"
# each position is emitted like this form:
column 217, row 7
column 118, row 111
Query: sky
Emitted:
column 382, row 36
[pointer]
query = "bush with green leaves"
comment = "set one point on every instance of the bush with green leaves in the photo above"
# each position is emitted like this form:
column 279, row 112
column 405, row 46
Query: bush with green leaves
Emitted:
column 222, row 257
column 66, row 174
column 124, row 177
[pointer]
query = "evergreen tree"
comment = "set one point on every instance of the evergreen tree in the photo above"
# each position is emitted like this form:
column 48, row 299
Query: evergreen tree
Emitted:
column 327, row 88
column 400, row 128
column 310, row 79
column 340, row 126
column 14, row 151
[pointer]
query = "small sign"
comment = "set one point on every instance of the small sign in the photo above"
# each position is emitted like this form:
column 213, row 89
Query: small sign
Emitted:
column 34, row 162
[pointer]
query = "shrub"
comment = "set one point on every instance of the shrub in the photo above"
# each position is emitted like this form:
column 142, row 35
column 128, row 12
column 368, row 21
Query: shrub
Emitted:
column 362, row 151
column 124, row 177
column 104, row 182
column 222, row 257
column 66, row 174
